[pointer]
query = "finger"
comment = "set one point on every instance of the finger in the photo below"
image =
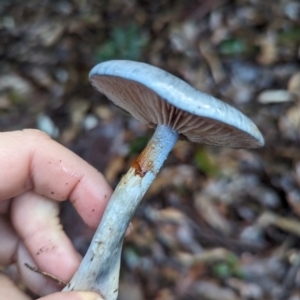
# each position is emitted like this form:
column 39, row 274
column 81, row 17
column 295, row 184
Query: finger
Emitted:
column 43, row 235
column 44, row 286
column 31, row 160
column 9, row 291
column 9, row 242
column 4, row 206
column 39, row 284
column 73, row 296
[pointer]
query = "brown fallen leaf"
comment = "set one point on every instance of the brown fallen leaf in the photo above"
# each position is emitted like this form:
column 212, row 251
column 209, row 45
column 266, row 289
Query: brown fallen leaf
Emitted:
column 246, row 290
column 290, row 225
column 274, row 96
column 268, row 49
column 289, row 123
column 174, row 176
column 205, row 257
column 294, row 85
column 293, row 198
column 173, row 229
column 206, row 208
column 165, row 294
column 212, row 291
column 213, row 61
column 114, row 167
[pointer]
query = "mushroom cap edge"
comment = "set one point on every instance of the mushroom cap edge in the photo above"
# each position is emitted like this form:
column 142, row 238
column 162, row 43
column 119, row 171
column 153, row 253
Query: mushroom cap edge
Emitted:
column 180, row 94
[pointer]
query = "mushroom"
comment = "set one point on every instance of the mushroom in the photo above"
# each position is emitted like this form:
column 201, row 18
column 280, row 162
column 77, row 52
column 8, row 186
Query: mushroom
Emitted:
column 159, row 99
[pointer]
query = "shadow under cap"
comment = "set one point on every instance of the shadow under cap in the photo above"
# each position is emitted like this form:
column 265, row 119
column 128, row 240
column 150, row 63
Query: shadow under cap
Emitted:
column 156, row 97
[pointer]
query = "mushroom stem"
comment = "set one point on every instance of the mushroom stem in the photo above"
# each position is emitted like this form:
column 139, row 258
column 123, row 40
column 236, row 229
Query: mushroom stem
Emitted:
column 99, row 269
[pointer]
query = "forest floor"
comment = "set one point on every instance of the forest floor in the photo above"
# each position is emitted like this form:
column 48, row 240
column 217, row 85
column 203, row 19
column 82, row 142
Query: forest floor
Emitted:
column 217, row 223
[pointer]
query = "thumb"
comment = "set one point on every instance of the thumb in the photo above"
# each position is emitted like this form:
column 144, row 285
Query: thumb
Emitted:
column 72, row 296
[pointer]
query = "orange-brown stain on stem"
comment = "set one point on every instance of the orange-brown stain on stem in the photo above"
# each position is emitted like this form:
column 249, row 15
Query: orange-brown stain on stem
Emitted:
column 144, row 162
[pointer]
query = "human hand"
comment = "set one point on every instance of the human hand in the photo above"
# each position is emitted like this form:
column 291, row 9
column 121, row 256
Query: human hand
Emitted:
column 36, row 173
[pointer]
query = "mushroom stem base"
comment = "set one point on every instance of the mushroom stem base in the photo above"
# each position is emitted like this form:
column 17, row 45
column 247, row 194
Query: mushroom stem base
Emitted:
column 99, row 269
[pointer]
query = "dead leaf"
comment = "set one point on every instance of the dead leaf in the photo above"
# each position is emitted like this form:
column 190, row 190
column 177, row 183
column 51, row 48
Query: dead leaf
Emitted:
column 289, row 225
column 174, row 176
column 114, row 167
column 205, row 257
column 289, row 123
column 294, row 84
column 274, row 96
column 210, row 214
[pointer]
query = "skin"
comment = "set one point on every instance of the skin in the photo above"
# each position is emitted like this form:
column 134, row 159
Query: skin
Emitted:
column 36, row 174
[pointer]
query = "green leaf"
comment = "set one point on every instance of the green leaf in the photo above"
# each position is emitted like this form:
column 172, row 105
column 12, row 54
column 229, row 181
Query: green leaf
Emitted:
column 232, row 47
column 291, row 35
column 205, row 162
column 125, row 43
column 221, row 270
column 137, row 145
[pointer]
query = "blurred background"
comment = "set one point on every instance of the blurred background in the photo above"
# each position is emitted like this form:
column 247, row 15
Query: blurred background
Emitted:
column 217, row 224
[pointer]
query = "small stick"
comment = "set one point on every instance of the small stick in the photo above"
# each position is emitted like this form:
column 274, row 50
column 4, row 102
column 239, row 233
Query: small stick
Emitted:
column 37, row 270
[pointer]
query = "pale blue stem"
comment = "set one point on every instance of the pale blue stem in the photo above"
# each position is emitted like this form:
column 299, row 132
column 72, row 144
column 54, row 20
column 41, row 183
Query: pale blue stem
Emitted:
column 99, row 269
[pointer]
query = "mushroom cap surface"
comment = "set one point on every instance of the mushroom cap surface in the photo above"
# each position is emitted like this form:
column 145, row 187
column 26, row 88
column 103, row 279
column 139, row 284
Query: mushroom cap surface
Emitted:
column 154, row 96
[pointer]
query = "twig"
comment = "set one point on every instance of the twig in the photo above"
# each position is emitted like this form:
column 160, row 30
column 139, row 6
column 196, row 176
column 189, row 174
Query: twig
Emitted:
column 54, row 278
